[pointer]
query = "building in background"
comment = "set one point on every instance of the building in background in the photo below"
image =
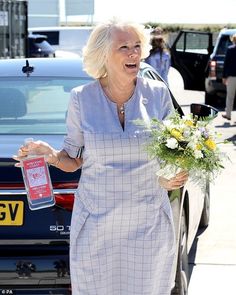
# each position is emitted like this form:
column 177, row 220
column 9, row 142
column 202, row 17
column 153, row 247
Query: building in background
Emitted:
column 59, row 12
column 43, row 13
column 82, row 10
column 17, row 16
column 13, row 28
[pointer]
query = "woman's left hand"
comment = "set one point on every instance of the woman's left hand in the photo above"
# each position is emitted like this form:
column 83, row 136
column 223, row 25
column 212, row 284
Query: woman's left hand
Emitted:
column 36, row 148
column 175, row 182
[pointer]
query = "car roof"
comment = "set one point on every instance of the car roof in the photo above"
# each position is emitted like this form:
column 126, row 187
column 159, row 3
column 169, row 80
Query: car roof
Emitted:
column 226, row 31
column 60, row 67
column 59, row 28
column 35, row 36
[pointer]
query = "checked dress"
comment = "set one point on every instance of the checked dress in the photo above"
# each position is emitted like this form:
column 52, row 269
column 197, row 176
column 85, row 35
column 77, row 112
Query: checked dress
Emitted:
column 122, row 235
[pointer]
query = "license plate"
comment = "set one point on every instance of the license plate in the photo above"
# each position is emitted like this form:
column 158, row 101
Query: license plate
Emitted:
column 11, row 213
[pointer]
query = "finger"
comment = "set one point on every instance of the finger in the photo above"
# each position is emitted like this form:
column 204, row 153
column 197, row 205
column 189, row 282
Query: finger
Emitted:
column 23, row 151
column 16, row 157
column 181, row 180
column 19, row 160
column 182, row 174
column 177, row 180
column 18, row 165
column 177, row 183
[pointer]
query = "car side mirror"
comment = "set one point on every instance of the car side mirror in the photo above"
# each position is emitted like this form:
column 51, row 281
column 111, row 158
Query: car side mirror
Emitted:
column 203, row 110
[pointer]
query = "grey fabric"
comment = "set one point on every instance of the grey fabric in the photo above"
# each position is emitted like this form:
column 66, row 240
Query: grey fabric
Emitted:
column 122, row 234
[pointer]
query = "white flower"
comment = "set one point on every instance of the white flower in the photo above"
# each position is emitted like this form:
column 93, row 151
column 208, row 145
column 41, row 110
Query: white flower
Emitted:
column 198, row 154
column 197, row 134
column 167, row 123
column 192, row 144
column 189, row 147
column 187, row 133
column 172, row 143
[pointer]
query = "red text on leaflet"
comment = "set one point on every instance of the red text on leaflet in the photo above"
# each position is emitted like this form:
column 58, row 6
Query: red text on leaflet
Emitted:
column 37, row 178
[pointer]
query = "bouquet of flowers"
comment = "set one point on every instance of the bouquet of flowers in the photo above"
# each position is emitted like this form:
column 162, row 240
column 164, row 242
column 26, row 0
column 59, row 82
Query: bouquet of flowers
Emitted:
column 184, row 143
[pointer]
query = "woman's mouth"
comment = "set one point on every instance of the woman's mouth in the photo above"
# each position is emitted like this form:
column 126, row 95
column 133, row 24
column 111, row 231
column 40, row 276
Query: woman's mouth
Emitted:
column 131, row 65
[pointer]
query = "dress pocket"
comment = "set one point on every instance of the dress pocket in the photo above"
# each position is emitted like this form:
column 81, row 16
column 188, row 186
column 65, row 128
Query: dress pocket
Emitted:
column 79, row 217
column 166, row 208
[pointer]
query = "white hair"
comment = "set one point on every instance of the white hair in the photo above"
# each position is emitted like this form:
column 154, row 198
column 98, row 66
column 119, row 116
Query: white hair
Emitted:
column 99, row 44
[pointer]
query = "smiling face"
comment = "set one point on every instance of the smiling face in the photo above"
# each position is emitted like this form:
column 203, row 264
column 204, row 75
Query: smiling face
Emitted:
column 124, row 57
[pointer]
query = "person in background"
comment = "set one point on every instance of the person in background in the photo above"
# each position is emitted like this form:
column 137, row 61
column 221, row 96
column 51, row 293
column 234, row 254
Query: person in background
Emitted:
column 157, row 31
column 159, row 57
column 229, row 77
column 122, row 238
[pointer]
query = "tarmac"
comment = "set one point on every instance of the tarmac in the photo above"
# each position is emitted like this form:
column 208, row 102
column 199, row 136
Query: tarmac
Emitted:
column 213, row 255
column 212, row 259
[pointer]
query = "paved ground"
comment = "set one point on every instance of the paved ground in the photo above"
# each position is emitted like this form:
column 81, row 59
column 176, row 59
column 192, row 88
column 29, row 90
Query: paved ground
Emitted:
column 213, row 255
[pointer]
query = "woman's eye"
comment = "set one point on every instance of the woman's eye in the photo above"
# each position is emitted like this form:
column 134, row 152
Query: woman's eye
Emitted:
column 124, row 47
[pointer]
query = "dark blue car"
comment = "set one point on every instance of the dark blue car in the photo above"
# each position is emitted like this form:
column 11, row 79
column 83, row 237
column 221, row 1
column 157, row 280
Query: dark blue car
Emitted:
column 34, row 245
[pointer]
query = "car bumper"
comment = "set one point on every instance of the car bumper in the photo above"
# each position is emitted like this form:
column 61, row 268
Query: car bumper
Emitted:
column 34, row 265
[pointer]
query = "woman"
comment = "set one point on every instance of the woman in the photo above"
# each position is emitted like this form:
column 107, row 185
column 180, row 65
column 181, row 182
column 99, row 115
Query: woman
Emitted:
column 159, row 57
column 229, row 77
column 122, row 235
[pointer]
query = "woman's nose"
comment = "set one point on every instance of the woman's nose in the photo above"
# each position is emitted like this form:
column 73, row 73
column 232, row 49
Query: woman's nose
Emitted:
column 132, row 52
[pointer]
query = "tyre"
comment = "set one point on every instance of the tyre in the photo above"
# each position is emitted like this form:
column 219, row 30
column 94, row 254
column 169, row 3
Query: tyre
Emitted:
column 182, row 271
column 205, row 217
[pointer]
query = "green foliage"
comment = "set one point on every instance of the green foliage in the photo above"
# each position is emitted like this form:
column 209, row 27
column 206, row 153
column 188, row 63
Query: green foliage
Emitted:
column 170, row 28
column 185, row 143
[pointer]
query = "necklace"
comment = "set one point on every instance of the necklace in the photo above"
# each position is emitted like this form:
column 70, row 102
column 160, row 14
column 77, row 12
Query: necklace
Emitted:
column 115, row 99
column 112, row 97
column 122, row 109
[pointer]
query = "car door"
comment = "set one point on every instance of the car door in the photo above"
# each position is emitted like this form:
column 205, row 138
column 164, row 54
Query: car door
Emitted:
column 146, row 71
column 190, row 53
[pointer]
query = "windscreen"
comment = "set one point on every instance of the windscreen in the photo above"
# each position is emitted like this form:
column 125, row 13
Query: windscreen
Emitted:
column 223, row 45
column 35, row 105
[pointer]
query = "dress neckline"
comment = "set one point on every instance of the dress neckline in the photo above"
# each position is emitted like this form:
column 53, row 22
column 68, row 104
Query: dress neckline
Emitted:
column 115, row 103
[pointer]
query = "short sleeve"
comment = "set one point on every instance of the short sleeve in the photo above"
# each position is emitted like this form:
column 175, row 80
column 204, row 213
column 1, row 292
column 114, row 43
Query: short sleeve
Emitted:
column 74, row 140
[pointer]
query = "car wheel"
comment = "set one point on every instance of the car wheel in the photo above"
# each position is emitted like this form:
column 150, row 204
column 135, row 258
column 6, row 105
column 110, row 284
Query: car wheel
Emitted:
column 182, row 271
column 205, row 217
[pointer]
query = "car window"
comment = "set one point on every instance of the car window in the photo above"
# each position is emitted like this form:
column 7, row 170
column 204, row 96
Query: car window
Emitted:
column 147, row 73
column 224, row 42
column 35, row 106
column 192, row 42
column 53, row 37
column 43, row 45
column 150, row 74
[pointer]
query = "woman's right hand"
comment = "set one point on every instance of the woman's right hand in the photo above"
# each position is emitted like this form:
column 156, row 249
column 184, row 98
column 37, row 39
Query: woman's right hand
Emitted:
column 36, row 148
column 175, row 182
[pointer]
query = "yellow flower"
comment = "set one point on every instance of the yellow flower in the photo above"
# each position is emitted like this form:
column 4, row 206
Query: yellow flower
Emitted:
column 209, row 143
column 198, row 146
column 176, row 134
column 189, row 123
